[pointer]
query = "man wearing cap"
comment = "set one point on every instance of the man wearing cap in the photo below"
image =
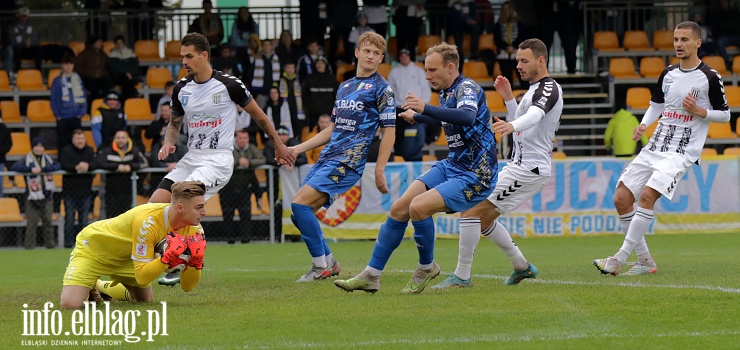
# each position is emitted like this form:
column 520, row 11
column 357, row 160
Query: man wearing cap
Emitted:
column 320, row 88
column 39, row 187
column 68, row 101
column 107, row 120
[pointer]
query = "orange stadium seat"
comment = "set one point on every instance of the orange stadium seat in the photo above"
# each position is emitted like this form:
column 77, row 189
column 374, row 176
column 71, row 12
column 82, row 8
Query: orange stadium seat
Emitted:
column 96, row 103
column 29, row 79
column 108, row 46
column 53, row 74
column 182, row 73
column 652, row 67
column 606, row 41
column 77, row 46
column 465, row 43
column 708, row 152
column 89, row 140
column 156, row 77
column 147, row 50
column 717, row 63
column 673, row 60
column 39, row 111
column 213, row 206
column 651, row 129
column 172, row 50
column 10, row 111
column 663, row 40
column 638, row 97
column 485, row 42
column 732, row 151
column 427, row 41
column 342, row 69
column 558, row 155
column 21, row 144
column 720, row 131
column 147, row 142
column 384, row 69
column 477, row 71
column 622, row 67
column 732, row 93
column 10, row 210
column 138, row 109
column 4, row 81
column 736, row 64
column 636, row 40
column 495, row 102
column 434, row 101
column 737, row 127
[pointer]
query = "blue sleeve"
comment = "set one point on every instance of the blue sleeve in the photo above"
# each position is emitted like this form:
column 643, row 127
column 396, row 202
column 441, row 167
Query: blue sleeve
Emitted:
column 420, row 118
column 97, row 129
column 55, row 99
column 53, row 166
column 20, row 166
column 454, row 116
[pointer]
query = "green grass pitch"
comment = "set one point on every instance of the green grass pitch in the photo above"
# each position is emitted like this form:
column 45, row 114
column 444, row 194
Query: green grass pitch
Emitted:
column 248, row 299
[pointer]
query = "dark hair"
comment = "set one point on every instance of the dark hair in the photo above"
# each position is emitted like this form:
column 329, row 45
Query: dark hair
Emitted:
column 67, row 58
column 78, row 131
column 168, row 84
column 243, row 130
column 91, row 40
column 695, row 28
column 119, row 37
column 165, row 104
column 199, row 41
column 537, row 46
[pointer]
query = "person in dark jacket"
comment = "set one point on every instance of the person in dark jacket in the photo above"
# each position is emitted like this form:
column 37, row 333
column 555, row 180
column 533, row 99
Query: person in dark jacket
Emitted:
column 269, row 152
column 68, row 101
column 92, row 65
column 78, row 159
column 107, row 120
column 122, row 157
column 320, row 89
column 6, row 143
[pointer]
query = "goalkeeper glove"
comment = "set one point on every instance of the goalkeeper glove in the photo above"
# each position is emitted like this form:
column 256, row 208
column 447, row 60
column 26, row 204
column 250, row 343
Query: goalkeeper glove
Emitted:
column 197, row 246
column 175, row 246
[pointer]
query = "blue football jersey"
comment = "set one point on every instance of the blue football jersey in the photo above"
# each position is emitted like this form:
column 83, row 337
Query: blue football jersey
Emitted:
column 472, row 148
column 362, row 105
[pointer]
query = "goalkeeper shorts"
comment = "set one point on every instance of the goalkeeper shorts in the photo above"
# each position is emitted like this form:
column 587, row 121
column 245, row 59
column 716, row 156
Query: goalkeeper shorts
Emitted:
column 85, row 269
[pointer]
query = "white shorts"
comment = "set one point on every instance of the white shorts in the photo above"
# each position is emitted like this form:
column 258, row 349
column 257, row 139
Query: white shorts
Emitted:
column 212, row 167
column 514, row 187
column 657, row 170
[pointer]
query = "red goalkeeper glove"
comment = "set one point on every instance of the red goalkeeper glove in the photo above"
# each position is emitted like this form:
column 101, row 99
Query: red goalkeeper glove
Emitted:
column 197, row 246
column 175, row 246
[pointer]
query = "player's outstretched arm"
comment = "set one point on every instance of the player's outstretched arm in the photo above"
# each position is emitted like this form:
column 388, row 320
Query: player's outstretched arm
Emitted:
column 282, row 154
column 189, row 279
column 317, row 140
column 386, row 146
column 503, row 87
column 170, row 137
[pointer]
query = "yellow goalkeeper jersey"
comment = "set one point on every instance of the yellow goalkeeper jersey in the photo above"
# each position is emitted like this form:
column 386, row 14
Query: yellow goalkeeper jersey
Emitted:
column 131, row 235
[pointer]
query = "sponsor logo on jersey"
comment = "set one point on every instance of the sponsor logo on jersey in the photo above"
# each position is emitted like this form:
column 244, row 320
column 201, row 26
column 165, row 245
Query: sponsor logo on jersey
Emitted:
column 541, row 102
column 349, row 104
column 141, row 249
column 547, row 88
column 364, row 86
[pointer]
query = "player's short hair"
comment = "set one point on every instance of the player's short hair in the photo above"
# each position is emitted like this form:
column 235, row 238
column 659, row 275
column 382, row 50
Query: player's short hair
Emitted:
column 187, row 189
column 537, row 46
column 371, row 38
column 197, row 40
column 169, row 84
column 695, row 28
column 448, row 52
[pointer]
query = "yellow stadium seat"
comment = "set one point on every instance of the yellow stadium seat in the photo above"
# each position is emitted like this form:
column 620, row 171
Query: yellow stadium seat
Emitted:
column 213, row 207
column 651, row 129
column 89, row 140
column 720, row 131
column 96, row 103
column 398, row 159
column 138, row 109
column 182, row 73
column 147, row 142
column 265, row 203
column 737, row 127
column 485, row 42
column 434, row 101
column 77, row 47
column 736, row 64
column 651, row 67
column 156, row 77
column 10, row 111
column 663, row 40
column 172, row 50
column 673, row 60
column 442, row 139
column 21, row 144
column 342, row 69
column 708, row 152
column 622, row 67
column 638, row 97
column 428, row 158
column 108, row 46
column 384, row 69
column 732, row 151
column 10, row 210
column 732, row 93
column 495, row 102
column 53, row 74
column 636, row 40
column 606, row 41
column 29, row 79
column 425, row 42
column 717, row 63
column 518, row 92
column 477, row 71
column 147, row 50
column 558, row 155
column 39, row 111
column 4, row 81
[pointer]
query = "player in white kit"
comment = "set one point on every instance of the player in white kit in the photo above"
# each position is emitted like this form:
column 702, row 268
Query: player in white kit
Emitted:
column 533, row 122
column 691, row 96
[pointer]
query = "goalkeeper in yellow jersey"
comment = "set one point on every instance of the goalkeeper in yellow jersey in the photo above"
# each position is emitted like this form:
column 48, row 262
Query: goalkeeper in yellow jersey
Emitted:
column 123, row 248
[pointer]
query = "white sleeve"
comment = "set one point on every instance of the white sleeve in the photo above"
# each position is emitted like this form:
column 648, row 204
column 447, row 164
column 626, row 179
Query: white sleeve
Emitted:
column 511, row 107
column 652, row 114
column 718, row 116
column 529, row 119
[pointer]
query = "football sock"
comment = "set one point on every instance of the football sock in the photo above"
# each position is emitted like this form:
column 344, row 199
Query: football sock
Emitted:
column 636, row 233
column 424, row 237
column 641, row 247
column 311, row 232
column 389, row 238
column 118, row 292
column 499, row 235
column 329, row 257
column 469, row 238
column 624, row 221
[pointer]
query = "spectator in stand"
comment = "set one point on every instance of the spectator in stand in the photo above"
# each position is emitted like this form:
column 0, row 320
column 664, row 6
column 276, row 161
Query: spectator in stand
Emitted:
column 485, row 19
column 307, row 63
column 141, row 20
column 209, row 24
column 98, row 21
column 92, row 65
column 6, row 143
column 320, row 88
column 123, row 66
column 278, row 112
column 618, row 134
column 565, row 18
column 107, row 120
column 169, row 87
column 25, row 40
column 342, row 16
column 226, row 61
column 237, row 194
column 78, row 159
column 68, row 101
column 507, row 37
column 461, row 21
column 313, row 154
column 287, row 50
column 39, row 187
column 313, row 19
column 290, row 91
column 377, row 15
column 244, row 26
column 407, row 16
column 156, row 131
column 265, row 72
column 726, row 29
column 121, row 157
column 360, row 28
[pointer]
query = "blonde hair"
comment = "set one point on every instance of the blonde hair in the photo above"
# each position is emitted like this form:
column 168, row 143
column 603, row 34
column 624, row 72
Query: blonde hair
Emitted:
column 187, row 189
column 371, row 38
column 448, row 52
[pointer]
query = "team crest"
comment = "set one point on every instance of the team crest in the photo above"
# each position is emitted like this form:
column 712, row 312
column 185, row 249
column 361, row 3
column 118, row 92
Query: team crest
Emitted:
column 468, row 195
column 342, row 208
column 184, row 100
column 216, row 98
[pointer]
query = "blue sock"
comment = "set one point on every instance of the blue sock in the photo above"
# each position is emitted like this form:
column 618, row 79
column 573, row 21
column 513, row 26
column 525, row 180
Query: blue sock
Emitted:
column 326, row 246
column 308, row 224
column 424, row 237
column 389, row 238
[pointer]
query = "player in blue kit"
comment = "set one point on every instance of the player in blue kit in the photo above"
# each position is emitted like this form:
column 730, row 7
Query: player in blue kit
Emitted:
column 455, row 184
column 363, row 104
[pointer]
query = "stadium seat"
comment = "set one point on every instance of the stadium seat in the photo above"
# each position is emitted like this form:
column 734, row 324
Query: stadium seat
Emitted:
column 638, row 97
column 622, row 67
column 477, row 71
column 425, row 42
column 77, row 47
column 421, row 65
column 732, row 93
column 708, row 152
column 147, row 50
column 21, row 144
column 10, row 210
column 442, row 139
column 392, row 47
column 96, row 103
column 636, row 40
column 137, row 108
column 10, row 111
column 518, row 92
column 428, row 158
column 606, row 41
column 465, row 43
column 213, row 207
column 398, row 159
column 485, row 42
column 732, row 151
column 89, row 140
column 663, row 40
column 434, row 101
column 29, row 79
column 4, row 81
column 53, row 74
column 384, row 69
column 156, row 77
column 342, row 69
column 495, row 102
column 652, row 67
column 39, row 111
column 147, row 142
column 673, row 60
column 108, row 46
column 265, row 203
column 558, row 155
column 651, row 129
column 717, row 63
column 737, row 127
column 736, row 65
column 172, row 50
column 720, row 131
column 141, row 199
column 182, row 73
column 92, row 215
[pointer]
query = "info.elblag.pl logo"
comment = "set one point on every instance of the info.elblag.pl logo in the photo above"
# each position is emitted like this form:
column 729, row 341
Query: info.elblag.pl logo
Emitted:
column 92, row 320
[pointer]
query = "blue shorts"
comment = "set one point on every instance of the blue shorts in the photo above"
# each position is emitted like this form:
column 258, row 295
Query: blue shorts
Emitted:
column 331, row 177
column 460, row 189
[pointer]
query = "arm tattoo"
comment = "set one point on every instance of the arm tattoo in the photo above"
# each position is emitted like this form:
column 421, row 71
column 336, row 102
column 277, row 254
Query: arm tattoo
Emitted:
column 173, row 130
column 264, row 125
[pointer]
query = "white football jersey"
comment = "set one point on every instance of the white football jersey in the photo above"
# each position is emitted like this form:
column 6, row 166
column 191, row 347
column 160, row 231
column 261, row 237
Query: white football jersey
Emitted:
column 678, row 130
column 532, row 147
column 209, row 109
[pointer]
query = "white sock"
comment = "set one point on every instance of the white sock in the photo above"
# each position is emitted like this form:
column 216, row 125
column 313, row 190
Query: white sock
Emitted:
column 635, row 234
column 425, row 266
column 469, row 238
column 373, row 271
column 499, row 235
column 624, row 221
column 319, row 261
column 641, row 247
column 328, row 259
